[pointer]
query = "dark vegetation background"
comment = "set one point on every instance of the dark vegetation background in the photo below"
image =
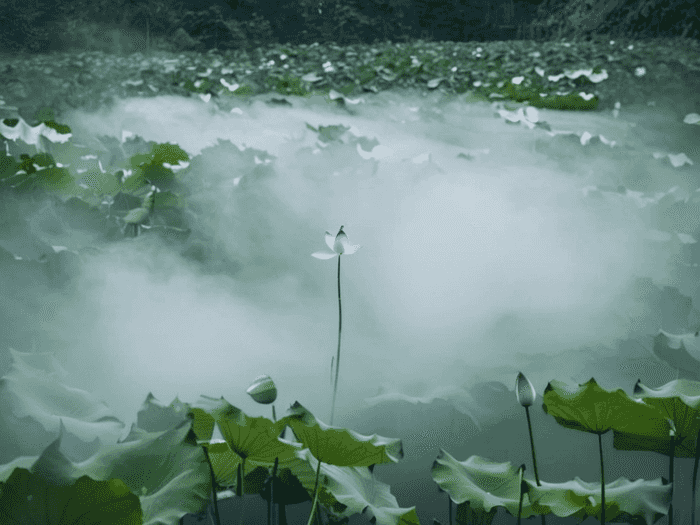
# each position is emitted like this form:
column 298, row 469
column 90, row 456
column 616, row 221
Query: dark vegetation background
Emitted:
column 126, row 26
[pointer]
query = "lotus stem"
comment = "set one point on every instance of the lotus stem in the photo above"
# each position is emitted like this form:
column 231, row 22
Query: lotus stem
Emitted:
column 523, row 490
column 534, row 456
column 240, row 492
column 217, row 519
column 670, row 477
column 695, row 480
column 525, row 394
column 602, row 480
column 313, row 507
column 337, row 356
column 271, row 506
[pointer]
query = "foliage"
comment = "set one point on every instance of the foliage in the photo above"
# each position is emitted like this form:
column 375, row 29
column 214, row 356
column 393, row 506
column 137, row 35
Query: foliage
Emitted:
column 331, row 465
column 23, row 23
column 38, row 25
column 676, row 17
column 620, row 18
column 91, row 181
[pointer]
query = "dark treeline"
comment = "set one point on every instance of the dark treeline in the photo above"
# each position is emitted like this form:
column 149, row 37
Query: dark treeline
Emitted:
column 46, row 25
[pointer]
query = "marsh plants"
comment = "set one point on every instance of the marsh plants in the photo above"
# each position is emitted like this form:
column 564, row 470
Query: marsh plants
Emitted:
column 171, row 465
column 332, row 462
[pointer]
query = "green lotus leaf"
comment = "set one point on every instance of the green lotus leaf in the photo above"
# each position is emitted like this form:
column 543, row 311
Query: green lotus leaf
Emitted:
column 649, row 500
column 481, row 483
column 26, row 499
column 593, row 409
column 338, row 446
column 679, row 402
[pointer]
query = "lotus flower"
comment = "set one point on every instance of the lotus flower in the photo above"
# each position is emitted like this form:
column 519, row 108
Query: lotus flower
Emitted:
column 263, row 390
column 340, row 246
column 524, row 391
column 525, row 394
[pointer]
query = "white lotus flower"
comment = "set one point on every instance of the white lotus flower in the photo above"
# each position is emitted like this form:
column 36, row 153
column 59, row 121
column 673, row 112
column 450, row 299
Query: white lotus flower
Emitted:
column 339, row 244
column 524, row 391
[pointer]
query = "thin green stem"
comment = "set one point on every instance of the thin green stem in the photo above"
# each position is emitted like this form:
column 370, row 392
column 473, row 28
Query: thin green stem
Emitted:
column 217, row 519
column 313, row 507
column 523, row 490
column 602, row 480
column 337, row 356
column 271, row 507
column 670, row 478
column 449, row 510
column 695, row 480
column 239, row 488
column 534, row 457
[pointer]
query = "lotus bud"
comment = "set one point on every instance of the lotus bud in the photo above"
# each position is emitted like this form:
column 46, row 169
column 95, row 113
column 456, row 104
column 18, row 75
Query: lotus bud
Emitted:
column 524, row 391
column 263, row 390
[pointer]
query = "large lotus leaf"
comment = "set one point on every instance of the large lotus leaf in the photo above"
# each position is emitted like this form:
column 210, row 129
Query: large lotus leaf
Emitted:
column 346, row 491
column 672, row 349
column 462, row 400
column 465, row 515
column 288, row 490
column 254, row 438
column 139, row 159
column 7, row 469
column 26, row 499
column 167, row 470
column 35, row 403
column 203, row 422
column 342, row 490
column 338, row 446
column 168, row 154
column 593, row 409
column 225, row 463
column 155, row 417
column 156, row 173
column 482, row 483
column 30, row 134
column 679, row 401
column 69, row 153
column 358, row 490
column 54, row 178
column 402, row 516
column 625, row 500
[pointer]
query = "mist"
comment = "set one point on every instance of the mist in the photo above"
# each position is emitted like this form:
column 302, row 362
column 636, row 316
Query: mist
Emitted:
column 478, row 249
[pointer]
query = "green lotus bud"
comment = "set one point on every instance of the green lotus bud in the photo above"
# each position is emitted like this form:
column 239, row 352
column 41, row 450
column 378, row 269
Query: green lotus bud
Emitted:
column 263, row 390
column 524, row 391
